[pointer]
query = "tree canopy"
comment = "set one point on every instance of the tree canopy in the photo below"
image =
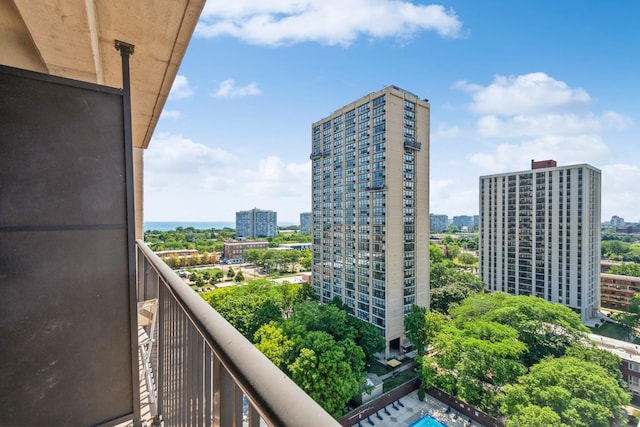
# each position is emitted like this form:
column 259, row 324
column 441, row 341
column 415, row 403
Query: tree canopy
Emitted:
column 323, row 350
column 626, row 269
column 546, row 328
column 449, row 285
column 472, row 362
column 321, row 347
column 500, row 353
column 581, row 393
column 249, row 307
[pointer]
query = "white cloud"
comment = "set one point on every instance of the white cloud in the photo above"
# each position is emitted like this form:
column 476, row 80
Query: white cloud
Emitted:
column 539, row 125
column 543, row 118
column 331, row 22
column 180, row 88
column 171, row 114
column 525, row 94
column 565, row 150
column 170, row 155
column 449, row 197
column 620, row 192
column 445, row 131
column 228, row 89
column 188, row 180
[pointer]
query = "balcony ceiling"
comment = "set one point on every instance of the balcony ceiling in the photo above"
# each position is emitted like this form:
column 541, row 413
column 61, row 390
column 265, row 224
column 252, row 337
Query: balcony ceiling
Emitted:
column 75, row 39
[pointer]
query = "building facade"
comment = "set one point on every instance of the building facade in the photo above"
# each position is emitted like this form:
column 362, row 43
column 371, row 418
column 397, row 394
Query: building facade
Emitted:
column 438, row 223
column 616, row 290
column 616, row 221
column 540, row 234
column 370, row 194
column 234, row 249
column 629, row 361
column 256, row 223
column 305, row 223
column 465, row 221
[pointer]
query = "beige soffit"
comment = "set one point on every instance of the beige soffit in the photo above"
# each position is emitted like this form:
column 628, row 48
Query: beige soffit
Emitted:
column 75, row 39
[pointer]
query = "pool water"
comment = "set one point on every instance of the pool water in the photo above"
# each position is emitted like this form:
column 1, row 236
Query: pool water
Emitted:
column 427, row 421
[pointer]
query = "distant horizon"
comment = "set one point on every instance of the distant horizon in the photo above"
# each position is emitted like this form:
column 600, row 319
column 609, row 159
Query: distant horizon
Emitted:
column 172, row 225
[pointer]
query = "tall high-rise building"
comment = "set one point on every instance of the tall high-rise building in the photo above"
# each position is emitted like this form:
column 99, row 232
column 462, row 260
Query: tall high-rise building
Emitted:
column 540, row 234
column 305, row 223
column 370, row 194
column 256, row 223
column 438, row 223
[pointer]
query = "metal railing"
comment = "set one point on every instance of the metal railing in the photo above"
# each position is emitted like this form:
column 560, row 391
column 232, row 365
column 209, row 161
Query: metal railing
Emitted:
column 205, row 372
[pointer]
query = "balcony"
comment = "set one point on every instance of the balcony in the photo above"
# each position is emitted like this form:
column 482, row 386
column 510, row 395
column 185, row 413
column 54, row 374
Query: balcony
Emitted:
column 412, row 145
column 204, row 371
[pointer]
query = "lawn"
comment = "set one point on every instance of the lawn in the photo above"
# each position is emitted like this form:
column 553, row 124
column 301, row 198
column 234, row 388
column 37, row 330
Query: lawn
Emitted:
column 378, row 368
column 613, row 330
column 401, row 378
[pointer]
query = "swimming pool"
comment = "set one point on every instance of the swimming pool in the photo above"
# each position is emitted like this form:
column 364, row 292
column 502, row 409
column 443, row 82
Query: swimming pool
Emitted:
column 427, row 421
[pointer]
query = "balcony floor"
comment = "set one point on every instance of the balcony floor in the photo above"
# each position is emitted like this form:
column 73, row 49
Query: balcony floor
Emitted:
column 145, row 407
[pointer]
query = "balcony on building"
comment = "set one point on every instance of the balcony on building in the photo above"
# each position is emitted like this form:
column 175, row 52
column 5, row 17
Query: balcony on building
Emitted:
column 96, row 329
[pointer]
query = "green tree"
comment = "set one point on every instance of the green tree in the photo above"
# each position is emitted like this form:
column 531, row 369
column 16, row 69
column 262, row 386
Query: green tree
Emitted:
column 435, row 253
column 546, row 328
column 273, row 342
column 415, row 325
column 631, row 318
column 626, row 269
column 322, row 371
column 467, row 259
column 219, row 275
column 580, row 392
column 230, row 273
column 446, row 297
column 453, row 250
column 368, row 337
column 239, row 277
column 324, row 317
column 535, row 416
column 473, row 362
column 614, row 248
column 606, row 360
column 305, row 262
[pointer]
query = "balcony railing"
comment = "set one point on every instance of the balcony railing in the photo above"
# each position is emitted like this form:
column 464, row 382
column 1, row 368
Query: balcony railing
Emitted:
column 205, row 372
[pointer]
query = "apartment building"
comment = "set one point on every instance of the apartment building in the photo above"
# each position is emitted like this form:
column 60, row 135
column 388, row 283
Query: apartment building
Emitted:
column 305, row 223
column 234, row 249
column 370, row 194
column 465, row 221
column 629, row 354
column 540, row 234
column 438, row 223
column 256, row 223
column 616, row 290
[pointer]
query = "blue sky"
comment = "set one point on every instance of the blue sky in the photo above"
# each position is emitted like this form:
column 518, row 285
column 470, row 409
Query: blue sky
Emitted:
column 508, row 81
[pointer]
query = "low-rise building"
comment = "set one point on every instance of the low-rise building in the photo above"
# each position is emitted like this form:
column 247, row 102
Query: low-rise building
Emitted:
column 295, row 246
column 234, row 249
column 617, row 290
column 629, row 354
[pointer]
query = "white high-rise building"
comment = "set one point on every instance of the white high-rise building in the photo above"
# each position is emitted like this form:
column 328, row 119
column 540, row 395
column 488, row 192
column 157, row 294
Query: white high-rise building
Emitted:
column 370, row 194
column 305, row 223
column 256, row 223
column 540, row 234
